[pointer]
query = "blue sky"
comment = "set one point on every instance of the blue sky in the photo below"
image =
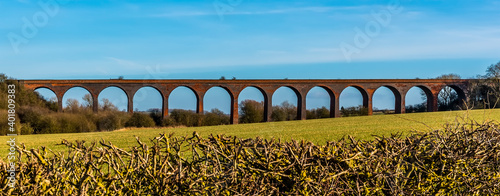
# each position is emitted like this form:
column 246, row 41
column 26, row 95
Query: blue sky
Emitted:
column 247, row 39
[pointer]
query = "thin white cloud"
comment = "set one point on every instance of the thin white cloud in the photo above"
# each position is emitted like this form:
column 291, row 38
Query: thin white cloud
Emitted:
column 271, row 52
column 324, row 50
column 413, row 14
column 475, row 33
column 316, row 9
column 180, row 14
column 125, row 63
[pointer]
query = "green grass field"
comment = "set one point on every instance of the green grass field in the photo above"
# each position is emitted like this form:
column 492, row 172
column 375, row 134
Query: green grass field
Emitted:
column 317, row 131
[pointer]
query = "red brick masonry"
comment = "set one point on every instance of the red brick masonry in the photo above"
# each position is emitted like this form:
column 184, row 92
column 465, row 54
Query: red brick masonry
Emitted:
column 399, row 87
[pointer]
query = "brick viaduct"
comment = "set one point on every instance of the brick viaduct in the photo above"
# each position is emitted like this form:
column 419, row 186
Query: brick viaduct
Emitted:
column 399, row 87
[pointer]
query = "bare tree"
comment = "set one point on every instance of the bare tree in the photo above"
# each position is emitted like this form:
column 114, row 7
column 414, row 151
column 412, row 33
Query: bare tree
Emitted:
column 107, row 105
column 448, row 98
column 88, row 101
column 72, row 105
column 493, row 81
column 484, row 92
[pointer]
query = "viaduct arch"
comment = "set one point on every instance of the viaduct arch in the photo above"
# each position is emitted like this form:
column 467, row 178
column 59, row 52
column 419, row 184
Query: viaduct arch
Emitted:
column 399, row 87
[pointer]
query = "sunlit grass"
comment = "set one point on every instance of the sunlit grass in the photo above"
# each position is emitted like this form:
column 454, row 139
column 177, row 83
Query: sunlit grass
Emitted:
column 317, row 131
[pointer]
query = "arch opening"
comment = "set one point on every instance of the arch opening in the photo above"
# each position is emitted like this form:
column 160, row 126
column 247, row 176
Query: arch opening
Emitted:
column 353, row 102
column 451, row 98
column 418, row 99
column 319, row 103
column 113, row 99
column 217, row 106
column 385, row 100
column 251, row 106
column 182, row 98
column 183, row 107
column 148, row 99
column 77, row 99
column 285, row 102
column 48, row 96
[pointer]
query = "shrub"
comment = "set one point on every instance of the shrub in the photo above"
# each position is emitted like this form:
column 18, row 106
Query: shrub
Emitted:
column 285, row 111
column 73, row 123
column 279, row 114
column 41, row 120
column 215, row 117
column 184, row 117
column 354, row 111
column 33, row 116
column 26, row 129
column 251, row 111
column 322, row 112
column 4, row 123
column 416, row 108
column 169, row 121
column 156, row 115
column 108, row 121
column 140, row 120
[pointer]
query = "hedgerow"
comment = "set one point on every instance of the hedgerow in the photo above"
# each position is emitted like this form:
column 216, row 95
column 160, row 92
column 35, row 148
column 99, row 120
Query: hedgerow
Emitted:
column 462, row 159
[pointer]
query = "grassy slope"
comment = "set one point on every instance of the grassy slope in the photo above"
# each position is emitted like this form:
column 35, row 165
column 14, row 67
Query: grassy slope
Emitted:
column 317, row 131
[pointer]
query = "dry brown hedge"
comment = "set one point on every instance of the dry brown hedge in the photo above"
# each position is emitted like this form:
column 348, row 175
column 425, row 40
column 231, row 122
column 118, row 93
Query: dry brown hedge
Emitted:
column 461, row 160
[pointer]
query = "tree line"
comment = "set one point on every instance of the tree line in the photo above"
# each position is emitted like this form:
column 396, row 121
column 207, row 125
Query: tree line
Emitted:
column 483, row 93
